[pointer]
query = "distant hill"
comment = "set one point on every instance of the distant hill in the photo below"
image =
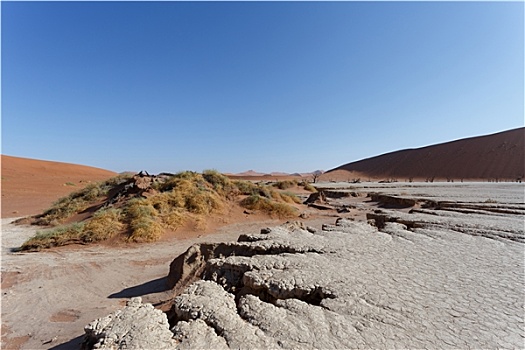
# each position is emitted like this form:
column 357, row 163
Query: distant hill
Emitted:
column 29, row 186
column 249, row 173
column 276, row 175
column 499, row 156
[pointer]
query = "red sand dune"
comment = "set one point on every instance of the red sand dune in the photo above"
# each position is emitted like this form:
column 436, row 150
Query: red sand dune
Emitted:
column 29, row 186
column 498, row 156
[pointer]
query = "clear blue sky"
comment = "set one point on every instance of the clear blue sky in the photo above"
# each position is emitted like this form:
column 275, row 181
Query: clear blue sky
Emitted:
column 269, row 86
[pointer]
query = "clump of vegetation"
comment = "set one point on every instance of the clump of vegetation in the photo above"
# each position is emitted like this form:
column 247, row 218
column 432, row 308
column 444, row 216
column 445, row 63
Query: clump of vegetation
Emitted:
column 221, row 183
column 290, row 197
column 490, row 200
column 69, row 234
column 78, row 201
column 307, row 186
column 246, row 187
column 266, row 205
column 284, row 185
column 104, row 225
column 142, row 214
column 141, row 219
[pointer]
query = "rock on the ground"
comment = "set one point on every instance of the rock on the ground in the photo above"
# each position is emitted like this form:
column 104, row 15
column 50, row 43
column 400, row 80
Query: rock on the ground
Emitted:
column 137, row 326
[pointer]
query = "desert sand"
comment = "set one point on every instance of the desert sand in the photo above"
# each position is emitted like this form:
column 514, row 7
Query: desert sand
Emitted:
column 30, row 186
column 499, row 156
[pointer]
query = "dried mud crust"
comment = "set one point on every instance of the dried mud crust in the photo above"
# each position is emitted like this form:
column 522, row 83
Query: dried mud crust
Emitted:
column 349, row 285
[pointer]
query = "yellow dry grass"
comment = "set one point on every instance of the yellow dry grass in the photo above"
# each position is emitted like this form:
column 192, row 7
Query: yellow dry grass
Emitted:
column 183, row 196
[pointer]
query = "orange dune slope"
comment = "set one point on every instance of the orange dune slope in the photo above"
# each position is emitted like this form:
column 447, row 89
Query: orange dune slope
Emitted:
column 499, row 156
column 29, row 186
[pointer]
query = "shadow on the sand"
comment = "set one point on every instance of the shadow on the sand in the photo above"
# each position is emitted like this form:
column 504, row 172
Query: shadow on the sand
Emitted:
column 74, row 343
column 154, row 286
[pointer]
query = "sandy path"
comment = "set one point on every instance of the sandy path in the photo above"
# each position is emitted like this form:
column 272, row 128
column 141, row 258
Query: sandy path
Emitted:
column 48, row 297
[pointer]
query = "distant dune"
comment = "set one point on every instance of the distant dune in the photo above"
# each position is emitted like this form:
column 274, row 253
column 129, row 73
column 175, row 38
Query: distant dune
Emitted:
column 498, row 156
column 273, row 176
column 249, row 173
column 29, row 186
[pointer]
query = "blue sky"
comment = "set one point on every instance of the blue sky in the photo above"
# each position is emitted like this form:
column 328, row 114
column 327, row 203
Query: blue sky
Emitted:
column 270, row 86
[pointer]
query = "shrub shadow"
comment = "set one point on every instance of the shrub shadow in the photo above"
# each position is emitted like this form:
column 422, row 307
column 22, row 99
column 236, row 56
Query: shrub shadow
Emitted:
column 75, row 343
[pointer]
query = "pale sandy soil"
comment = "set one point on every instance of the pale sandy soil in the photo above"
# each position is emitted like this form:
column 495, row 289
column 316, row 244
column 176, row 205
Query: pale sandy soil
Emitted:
column 48, row 297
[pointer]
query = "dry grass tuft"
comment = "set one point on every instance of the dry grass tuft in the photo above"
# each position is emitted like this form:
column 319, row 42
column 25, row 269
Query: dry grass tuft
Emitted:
column 104, row 224
column 141, row 218
column 54, row 238
column 246, row 187
column 289, row 197
column 308, row 186
column 220, row 183
column 272, row 208
column 284, row 185
column 78, row 201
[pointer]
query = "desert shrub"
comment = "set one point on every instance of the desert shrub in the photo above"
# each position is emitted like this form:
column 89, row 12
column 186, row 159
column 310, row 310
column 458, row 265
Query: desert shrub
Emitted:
column 246, row 187
column 78, row 201
column 310, row 188
column 256, row 202
column 55, row 237
column 203, row 202
column 194, row 196
column 141, row 217
column 174, row 180
column 168, row 210
column 104, row 225
column 289, row 197
column 61, row 210
column 286, row 184
column 139, row 207
column 307, row 186
column 275, row 195
column 264, row 191
column 219, row 182
column 284, row 196
column 144, row 229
